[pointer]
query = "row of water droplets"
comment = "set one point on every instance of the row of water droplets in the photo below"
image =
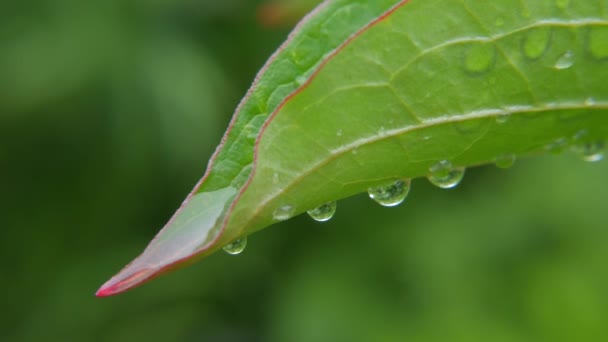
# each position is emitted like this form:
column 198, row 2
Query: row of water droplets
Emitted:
column 441, row 174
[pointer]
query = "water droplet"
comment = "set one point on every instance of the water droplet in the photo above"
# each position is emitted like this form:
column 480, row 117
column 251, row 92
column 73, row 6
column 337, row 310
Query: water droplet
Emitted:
column 392, row 194
column 536, row 42
column 444, row 175
column 562, row 4
column 578, row 136
column 590, row 102
column 236, row 247
column 557, row 146
column 284, row 212
column 505, row 161
column 597, row 46
column 480, row 57
column 339, row 133
column 500, row 21
column 591, row 151
column 565, row 61
column 502, row 118
column 301, row 80
column 324, row 212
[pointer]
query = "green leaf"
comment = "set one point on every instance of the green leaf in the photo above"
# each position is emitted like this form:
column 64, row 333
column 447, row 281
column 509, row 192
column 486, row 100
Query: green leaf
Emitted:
column 368, row 93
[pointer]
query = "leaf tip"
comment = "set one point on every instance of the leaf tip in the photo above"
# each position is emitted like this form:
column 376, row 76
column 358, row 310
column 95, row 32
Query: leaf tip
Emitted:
column 123, row 281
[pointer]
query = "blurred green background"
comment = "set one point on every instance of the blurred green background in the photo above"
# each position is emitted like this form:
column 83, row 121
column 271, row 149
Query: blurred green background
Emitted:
column 109, row 111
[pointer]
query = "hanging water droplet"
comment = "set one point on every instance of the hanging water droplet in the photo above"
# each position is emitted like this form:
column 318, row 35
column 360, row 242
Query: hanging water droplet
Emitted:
column 562, row 4
column 565, row 61
column 236, row 247
column 536, row 42
column 502, row 118
column 392, row 194
column 324, row 212
column 480, row 57
column 597, row 47
column 444, row 175
column 591, row 151
column 284, row 212
column 557, row 146
column 505, row 161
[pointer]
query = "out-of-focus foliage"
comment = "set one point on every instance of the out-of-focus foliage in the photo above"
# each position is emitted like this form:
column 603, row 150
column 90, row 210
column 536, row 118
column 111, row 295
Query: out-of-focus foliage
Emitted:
column 108, row 113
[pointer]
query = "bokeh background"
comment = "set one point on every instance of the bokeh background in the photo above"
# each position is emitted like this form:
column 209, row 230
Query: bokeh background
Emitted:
column 109, row 111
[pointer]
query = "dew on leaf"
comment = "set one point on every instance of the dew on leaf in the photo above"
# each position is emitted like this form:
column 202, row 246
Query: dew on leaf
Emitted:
column 502, row 118
column 557, row 146
column 598, row 42
column 480, row 57
column 324, row 212
column 444, row 175
column 565, row 61
column 284, row 212
column 236, row 247
column 536, row 42
column 392, row 194
column 590, row 102
column 591, row 151
column 339, row 132
column 505, row 161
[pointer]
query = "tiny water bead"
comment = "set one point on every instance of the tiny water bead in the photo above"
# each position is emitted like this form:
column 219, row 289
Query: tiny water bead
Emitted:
column 444, row 175
column 284, row 212
column 591, row 151
column 536, row 42
column 565, row 61
column 236, row 247
column 558, row 146
column 324, row 212
column 502, row 118
column 505, row 161
column 597, row 42
column 392, row 194
column 480, row 57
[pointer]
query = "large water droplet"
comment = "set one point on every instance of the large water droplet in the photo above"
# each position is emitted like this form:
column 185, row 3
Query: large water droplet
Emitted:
column 236, row 247
column 592, row 151
column 324, row 212
column 598, row 42
column 536, row 42
column 480, row 57
column 284, row 212
column 562, row 4
column 392, row 194
column 565, row 61
column 444, row 175
column 505, row 161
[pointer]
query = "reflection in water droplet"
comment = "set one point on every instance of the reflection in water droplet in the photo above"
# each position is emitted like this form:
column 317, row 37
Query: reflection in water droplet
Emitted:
column 592, row 151
column 444, row 175
column 557, row 146
column 392, row 194
column 236, row 247
column 502, row 118
column 324, row 212
column 480, row 57
column 536, row 42
column 284, row 212
column 505, row 161
column 562, row 4
column 590, row 102
column 565, row 61
column 598, row 42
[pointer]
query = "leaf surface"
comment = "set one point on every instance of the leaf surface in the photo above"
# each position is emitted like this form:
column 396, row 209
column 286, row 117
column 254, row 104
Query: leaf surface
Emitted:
column 365, row 93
